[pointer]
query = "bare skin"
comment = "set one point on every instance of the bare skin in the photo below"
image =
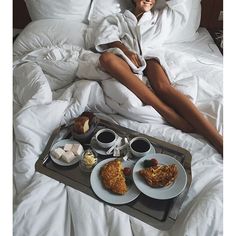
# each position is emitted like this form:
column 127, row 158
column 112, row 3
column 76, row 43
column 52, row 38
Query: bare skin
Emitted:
column 181, row 104
column 175, row 107
column 120, row 70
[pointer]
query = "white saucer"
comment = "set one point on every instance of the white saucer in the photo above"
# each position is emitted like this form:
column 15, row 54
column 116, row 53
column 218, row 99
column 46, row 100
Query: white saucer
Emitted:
column 99, row 150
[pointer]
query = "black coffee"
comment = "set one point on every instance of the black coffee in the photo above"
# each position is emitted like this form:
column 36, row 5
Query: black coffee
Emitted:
column 106, row 137
column 140, row 146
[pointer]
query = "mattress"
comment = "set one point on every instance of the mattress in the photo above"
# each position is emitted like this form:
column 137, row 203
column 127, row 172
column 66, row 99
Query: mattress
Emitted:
column 48, row 92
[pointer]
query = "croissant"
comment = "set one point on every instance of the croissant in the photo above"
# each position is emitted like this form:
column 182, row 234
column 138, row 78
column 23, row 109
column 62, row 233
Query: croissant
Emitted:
column 113, row 177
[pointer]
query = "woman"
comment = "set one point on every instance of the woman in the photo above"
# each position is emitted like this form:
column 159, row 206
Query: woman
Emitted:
column 132, row 41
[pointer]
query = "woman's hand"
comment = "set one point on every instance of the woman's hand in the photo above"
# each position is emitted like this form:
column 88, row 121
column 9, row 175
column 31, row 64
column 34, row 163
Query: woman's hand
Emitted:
column 133, row 57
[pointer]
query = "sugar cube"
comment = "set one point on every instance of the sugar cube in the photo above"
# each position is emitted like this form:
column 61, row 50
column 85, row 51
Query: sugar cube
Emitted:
column 77, row 149
column 57, row 153
column 68, row 147
column 68, row 156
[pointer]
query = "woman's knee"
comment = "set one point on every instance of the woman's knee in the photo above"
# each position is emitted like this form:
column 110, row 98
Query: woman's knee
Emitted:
column 163, row 89
column 157, row 78
column 106, row 58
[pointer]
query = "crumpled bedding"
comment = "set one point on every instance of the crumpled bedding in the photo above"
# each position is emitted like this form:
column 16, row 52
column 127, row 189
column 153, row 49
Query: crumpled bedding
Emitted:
column 51, row 87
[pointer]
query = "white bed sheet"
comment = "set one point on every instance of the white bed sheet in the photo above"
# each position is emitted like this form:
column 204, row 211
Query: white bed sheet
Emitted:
column 46, row 86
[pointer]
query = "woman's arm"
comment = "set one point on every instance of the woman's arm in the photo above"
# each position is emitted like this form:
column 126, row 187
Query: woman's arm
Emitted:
column 180, row 8
column 109, row 36
column 118, row 44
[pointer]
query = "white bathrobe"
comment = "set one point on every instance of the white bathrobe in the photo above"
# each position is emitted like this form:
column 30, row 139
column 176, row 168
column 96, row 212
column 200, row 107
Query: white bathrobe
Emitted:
column 146, row 36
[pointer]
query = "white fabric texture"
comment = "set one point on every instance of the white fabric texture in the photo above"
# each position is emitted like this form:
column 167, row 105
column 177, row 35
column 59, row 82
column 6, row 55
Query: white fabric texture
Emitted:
column 49, row 32
column 48, row 92
column 58, row 9
column 190, row 24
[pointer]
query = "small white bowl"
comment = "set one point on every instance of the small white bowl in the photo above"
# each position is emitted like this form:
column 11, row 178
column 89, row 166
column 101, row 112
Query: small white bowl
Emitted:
column 140, row 146
column 106, row 138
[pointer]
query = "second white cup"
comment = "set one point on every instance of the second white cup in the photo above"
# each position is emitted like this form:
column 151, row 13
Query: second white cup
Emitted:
column 140, row 146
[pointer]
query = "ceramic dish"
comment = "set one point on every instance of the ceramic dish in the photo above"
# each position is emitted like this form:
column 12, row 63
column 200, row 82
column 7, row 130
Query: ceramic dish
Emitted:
column 107, row 195
column 164, row 192
column 152, row 151
column 106, row 138
column 61, row 144
column 99, row 150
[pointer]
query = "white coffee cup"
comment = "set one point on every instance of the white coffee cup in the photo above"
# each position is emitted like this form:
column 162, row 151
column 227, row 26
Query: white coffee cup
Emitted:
column 106, row 138
column 140, row 146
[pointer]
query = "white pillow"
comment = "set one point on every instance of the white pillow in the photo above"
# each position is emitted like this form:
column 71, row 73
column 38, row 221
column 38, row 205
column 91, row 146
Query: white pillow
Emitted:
column 188, row 31
column 58, row 9
column 49, row 32
column 102, row 8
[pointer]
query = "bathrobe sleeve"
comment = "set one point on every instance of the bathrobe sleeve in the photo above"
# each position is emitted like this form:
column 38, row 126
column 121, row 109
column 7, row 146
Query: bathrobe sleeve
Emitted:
column 109, row 31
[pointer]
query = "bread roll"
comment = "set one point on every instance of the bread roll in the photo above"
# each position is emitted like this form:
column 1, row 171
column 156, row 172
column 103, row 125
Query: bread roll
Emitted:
column 81, row 125
column 90, row 115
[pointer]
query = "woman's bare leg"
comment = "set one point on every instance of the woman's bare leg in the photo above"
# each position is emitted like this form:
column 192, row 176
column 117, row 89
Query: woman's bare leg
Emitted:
column 120, row 70
column 181, row 104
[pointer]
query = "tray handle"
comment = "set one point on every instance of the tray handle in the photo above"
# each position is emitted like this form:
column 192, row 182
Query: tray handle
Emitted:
column 55, row 132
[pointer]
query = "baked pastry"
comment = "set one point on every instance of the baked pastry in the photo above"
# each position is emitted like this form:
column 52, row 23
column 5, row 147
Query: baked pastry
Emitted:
column 90, row 115
column 160, row 175
column 81, row 124
column 113, row 177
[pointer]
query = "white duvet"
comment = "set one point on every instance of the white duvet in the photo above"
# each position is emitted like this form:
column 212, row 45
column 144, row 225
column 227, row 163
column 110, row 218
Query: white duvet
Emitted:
column 48, row 92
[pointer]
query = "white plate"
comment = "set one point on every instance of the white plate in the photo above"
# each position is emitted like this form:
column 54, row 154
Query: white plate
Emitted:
column 105, row 194
column 61, row 144
column 160, row 193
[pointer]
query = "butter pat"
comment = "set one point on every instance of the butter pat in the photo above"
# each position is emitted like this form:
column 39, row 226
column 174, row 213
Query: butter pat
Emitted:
column 57, row 153
column 68, row 156
column 77, row 149
column 68, row 147
column 89, row 158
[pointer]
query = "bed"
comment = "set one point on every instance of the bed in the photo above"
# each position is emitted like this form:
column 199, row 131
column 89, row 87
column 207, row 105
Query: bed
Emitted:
column 50, row 89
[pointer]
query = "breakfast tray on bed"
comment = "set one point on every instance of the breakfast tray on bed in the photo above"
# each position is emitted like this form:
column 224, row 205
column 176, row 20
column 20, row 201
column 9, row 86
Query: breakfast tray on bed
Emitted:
column 160, row 214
